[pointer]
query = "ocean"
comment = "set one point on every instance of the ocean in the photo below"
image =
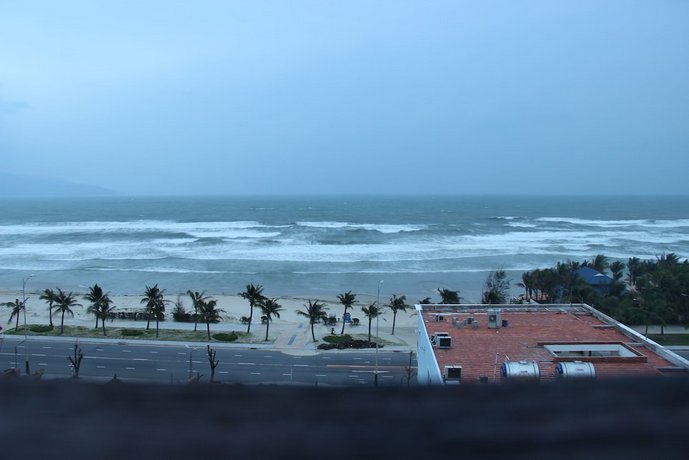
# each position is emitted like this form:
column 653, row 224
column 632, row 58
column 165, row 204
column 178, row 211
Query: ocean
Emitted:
column 321, row 246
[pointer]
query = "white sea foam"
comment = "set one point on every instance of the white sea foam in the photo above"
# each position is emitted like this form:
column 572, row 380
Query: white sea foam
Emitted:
column 649, row 223
column 382, row 228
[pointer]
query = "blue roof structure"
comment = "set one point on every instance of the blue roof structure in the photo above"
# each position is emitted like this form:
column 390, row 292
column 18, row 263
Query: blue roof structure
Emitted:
column 594, row 277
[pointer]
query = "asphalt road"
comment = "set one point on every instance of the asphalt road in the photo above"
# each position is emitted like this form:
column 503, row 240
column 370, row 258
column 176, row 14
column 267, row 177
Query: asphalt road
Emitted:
column 176, row 363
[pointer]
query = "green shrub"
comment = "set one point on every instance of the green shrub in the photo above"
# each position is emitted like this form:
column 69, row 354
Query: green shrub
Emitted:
column 41, row 328
column 226, row 336
column 132, row 332
column 335, row 339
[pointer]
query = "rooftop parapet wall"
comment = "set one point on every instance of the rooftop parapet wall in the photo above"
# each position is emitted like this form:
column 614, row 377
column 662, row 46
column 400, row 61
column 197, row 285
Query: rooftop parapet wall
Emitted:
column 480, row 346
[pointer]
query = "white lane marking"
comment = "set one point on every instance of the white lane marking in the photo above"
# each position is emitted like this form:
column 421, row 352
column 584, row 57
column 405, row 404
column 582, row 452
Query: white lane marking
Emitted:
column 255, row 373
column 321, row 375
column 162, row 370
column 301, row 365
column 126, row 351
column 327, row 357
column 153, row 352
column 267, row 356
column 286, row 375
column 247, row 364
column 47, row 348
column 355, row 359
column 42, row 364
column 370, row 372
column 223, row 372
column 181, row 353
column 38, row 354
column 140, row 359
column 100, row 367
column 353, row 376
column 99, row 349
column 237, row 356
column 130, row 368
column 388, row 376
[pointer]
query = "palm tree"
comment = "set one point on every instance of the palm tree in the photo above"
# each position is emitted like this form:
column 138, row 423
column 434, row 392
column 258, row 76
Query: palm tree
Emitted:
column 17, row 306
column 397, row 304
column 209, row 313
column 50, row 297
column 315, row 312
column 197, row 298
column 633, row 265
column 599, row 263
column 270, row 308
column 64, row 303
column 155, row 305
column 97, row 297
column 254, row 294
column 448, row 296
column 347, row 299
column 372, row 311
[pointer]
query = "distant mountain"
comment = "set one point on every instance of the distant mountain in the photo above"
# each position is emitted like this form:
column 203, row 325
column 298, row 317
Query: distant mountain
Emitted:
column 14, row 185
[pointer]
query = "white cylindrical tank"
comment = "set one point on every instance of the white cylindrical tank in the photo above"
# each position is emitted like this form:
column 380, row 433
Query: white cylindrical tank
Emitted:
column 575, row 369
column 522, row 370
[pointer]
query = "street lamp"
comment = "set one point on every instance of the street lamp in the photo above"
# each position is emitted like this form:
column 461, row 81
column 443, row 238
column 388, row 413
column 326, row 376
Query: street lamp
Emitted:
column 375, row 375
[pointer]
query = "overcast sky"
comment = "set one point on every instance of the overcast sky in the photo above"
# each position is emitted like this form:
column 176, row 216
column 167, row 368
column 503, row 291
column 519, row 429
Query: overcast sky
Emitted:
column 255, row 97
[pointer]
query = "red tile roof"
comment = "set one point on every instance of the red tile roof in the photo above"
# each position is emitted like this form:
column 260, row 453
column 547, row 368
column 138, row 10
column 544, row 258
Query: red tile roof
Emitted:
column 481, row 351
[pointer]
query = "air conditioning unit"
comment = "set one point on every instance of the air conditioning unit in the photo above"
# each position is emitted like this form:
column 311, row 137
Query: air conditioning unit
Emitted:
column 444, row 342
column 453, row 374
column 494, row 319
column 434, row 337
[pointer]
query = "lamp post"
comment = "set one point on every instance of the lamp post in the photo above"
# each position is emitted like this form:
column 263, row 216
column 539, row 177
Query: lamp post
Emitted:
column 26, row 347
column 375, row 375
column 191, row 350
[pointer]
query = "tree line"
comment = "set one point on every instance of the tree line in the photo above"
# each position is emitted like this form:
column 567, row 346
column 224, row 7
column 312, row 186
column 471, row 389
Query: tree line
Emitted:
column 653, row 291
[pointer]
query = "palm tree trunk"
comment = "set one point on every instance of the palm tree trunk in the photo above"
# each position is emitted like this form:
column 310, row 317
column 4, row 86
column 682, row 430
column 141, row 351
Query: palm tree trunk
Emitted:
column 369, row 329
column 251, row 316
column 208, row 329
column 16, row 327
column 96, row 321
column 313, row 335
column 394, row 318
column 103, row 322
column 62, row 322
column 343, row 321
column 50, row 312
column 148, row 319
column 267, row 326
column 196, row 316
column 156, row 325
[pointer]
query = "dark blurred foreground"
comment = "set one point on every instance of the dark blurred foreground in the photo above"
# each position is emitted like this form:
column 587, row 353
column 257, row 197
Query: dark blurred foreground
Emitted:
column 603, row 419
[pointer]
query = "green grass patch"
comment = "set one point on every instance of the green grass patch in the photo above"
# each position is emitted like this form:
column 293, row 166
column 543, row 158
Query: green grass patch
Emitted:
column 670, row 339
column 177, row 335
column 132, row 332
column 335, row 339
column 226, row 336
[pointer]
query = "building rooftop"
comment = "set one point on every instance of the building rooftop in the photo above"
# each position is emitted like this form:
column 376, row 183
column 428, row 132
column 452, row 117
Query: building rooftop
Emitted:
column 542, row 336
